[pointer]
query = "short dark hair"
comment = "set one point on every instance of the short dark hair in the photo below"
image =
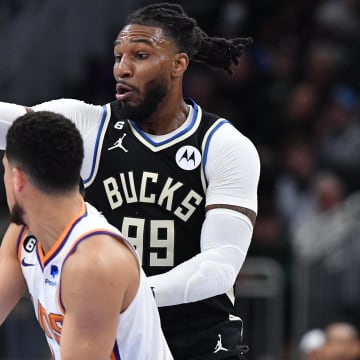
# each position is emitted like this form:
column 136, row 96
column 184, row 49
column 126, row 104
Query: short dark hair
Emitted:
column 215, row 52
column 48, row 148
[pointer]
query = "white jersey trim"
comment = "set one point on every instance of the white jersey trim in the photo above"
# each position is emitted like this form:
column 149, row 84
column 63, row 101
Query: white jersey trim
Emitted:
column 177, row 136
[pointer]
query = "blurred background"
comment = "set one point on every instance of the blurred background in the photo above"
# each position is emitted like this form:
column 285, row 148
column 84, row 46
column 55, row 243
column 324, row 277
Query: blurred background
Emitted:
column 295, row 94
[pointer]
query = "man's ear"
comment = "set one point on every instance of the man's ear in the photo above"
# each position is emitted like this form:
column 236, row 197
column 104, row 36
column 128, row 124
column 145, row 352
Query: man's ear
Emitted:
column 19, row 178
column 181, row 63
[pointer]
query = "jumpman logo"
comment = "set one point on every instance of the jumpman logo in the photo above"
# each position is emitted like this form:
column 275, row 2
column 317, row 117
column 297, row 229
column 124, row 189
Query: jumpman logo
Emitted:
column 219, row 346
column 118, row 144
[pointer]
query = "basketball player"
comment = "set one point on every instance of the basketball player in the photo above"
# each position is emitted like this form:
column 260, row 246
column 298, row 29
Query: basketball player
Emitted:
column 179, row 182
column 90, row 295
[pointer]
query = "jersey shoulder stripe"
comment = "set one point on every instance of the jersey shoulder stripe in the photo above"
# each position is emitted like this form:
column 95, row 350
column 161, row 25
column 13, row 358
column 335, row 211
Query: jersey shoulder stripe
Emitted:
column 99, row 141
column 206, row 140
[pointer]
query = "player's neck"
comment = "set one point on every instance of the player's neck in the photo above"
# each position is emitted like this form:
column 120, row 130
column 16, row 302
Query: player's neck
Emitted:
column 48, row 221
column 169, row 116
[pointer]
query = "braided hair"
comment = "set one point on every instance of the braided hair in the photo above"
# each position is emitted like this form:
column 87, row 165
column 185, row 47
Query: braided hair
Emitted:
column 189, row 38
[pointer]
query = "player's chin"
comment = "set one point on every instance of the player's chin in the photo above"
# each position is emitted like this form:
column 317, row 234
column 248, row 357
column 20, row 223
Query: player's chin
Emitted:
column 129, row 110
column 130, row 102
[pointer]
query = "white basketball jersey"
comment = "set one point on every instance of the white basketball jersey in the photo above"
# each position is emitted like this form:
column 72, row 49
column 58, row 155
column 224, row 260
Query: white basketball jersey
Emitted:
column 139, row 335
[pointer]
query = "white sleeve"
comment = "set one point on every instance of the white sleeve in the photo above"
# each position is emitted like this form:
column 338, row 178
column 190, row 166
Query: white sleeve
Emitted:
column 87, row 119
column 232, row 169
column 225, row 239
column 8, row 113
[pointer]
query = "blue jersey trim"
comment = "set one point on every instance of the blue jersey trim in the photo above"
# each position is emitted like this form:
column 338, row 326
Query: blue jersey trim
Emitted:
column 104, row 115
column 206, row 148
column 116, row 351
column 19, row 238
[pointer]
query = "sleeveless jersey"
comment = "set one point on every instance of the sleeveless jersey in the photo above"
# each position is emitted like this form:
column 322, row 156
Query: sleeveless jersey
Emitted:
column 154, row 192
column 139, row 334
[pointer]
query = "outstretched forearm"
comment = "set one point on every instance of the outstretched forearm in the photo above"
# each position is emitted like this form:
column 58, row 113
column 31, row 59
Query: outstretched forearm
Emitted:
column 225, row 240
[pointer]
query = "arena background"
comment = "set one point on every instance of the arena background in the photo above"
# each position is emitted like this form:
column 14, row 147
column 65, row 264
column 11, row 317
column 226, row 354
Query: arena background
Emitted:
column 295, row 94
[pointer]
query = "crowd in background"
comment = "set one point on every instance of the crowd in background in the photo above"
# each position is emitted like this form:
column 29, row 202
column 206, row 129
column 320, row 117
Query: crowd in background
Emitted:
column 336, row 341
column 296, row 95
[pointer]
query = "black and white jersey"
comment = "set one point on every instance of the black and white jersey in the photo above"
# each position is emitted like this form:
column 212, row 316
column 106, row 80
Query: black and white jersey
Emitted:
column 154, row 192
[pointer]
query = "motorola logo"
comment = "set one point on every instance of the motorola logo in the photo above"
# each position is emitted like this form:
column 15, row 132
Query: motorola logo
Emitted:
column 188, row 157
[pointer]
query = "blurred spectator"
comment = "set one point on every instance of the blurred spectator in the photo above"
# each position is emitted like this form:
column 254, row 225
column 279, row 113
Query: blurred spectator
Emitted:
column 311, row 232
column 294, row 197
column 339, row 135
column 301, row 109
column 338, row 341
column 329, row 191
column 322, row 63
column 233, row 15
column 342, row 342
column 326, row 259
column 337, row 18
column 311, row 344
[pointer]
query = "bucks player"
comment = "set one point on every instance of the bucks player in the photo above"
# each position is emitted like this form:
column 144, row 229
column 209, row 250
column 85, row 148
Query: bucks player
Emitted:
column 179, row 182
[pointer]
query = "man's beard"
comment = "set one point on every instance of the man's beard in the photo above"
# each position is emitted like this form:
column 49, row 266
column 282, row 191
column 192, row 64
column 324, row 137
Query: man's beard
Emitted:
column 17, row 215
column 154, row 93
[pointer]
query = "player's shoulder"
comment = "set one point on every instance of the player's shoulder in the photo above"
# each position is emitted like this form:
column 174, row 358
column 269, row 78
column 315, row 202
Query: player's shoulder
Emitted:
column 227, row 144
column 77, row 110
column 102, row 238
column 101, row 249
column 67, row 105
column 226, row 134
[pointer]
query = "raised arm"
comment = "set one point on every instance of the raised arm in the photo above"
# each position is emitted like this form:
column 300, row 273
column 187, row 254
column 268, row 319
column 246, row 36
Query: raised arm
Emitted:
column 12, row 283
column 86, row 117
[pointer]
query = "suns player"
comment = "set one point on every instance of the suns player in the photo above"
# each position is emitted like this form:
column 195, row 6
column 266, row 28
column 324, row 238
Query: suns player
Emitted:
column 179, row 182
column 89, row 292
